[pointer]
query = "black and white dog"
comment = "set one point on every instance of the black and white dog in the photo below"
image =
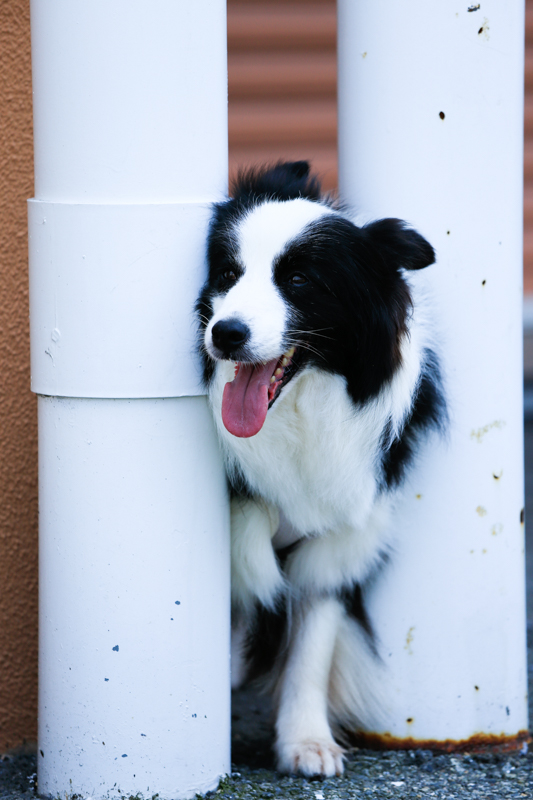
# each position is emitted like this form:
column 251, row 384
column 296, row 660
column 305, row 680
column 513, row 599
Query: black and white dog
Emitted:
column 323, row 379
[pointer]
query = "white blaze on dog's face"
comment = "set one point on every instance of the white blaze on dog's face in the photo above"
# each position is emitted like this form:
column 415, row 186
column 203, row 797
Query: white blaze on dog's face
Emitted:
column 251, row 319
column 254, row 300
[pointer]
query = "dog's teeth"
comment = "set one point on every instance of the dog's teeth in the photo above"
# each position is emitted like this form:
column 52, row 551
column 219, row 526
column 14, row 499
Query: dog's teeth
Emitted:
column 272, row 379
column 278, row 373
column 290, row 352
column 284, row 361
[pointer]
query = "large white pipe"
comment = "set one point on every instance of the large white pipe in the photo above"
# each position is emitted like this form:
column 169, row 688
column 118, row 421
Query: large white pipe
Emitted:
column 130, row 116
column 430, row 130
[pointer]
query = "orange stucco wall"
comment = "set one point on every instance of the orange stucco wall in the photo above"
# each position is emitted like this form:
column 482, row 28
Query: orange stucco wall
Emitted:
column 18, row 426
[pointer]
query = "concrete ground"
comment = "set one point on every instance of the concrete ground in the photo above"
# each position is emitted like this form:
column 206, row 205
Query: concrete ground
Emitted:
column 405, row 775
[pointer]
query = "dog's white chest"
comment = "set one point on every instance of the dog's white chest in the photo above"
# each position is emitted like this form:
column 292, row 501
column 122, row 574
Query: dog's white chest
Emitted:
column 314, row 458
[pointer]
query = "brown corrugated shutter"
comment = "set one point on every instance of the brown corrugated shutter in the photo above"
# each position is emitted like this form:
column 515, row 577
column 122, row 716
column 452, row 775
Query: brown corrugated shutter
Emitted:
column 282, row 83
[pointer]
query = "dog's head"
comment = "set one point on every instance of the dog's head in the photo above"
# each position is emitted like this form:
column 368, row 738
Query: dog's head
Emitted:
column 294, row 283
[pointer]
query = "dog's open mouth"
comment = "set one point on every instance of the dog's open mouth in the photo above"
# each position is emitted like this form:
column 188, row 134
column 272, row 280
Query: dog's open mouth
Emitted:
column 253, row 391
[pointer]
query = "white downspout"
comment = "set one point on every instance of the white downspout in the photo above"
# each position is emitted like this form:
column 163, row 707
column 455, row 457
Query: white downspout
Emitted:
column 430, row 130
column 130, row 115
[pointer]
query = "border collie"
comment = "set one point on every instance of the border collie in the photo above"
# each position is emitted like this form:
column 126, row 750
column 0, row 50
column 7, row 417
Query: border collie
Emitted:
column 323, row 379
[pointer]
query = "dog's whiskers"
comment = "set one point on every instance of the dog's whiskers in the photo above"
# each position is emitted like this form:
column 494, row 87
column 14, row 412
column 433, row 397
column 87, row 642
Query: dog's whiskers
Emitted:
column 204, row 319
column 312, row 333
column 305, row 346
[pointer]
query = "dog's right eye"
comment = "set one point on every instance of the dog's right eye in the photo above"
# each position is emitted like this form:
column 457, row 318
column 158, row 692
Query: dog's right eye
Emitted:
column 297, row 279
column 229, row 275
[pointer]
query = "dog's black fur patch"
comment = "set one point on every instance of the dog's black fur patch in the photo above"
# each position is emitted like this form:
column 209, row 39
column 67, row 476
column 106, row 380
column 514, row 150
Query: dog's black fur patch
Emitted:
column 429, row 411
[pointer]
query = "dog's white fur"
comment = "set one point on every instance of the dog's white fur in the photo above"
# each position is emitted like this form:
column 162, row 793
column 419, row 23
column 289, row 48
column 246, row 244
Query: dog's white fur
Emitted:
column 316, row 461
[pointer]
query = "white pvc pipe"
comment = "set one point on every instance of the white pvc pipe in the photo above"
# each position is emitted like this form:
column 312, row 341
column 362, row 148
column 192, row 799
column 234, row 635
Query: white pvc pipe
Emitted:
column 430, row 130
column 134, row 641
column 130, row 149
column 130, row 100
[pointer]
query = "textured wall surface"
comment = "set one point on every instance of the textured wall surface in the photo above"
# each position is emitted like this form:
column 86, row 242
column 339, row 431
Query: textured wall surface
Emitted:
column 18, row 427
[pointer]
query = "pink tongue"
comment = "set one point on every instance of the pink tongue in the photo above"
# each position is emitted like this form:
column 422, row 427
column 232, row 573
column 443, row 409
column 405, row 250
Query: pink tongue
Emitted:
column 245, row 399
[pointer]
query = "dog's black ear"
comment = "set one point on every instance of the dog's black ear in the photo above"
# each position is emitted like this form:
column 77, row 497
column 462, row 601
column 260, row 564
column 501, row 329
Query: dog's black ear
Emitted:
column 400, row 245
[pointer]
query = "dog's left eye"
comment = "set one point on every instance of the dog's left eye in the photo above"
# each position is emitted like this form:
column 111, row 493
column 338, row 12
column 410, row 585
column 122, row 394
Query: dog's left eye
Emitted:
column 297, row 279
column 229, row 275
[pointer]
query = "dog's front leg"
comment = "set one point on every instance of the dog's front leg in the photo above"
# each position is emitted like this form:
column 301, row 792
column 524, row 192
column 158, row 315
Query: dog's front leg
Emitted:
column 304, row 740
column 255, row 572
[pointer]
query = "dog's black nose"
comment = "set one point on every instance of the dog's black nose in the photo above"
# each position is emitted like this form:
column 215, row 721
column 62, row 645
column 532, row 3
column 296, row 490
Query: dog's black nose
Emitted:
column 230, row 334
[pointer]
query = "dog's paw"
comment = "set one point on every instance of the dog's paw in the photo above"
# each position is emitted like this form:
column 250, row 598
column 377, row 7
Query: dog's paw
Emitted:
column 311, row 757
